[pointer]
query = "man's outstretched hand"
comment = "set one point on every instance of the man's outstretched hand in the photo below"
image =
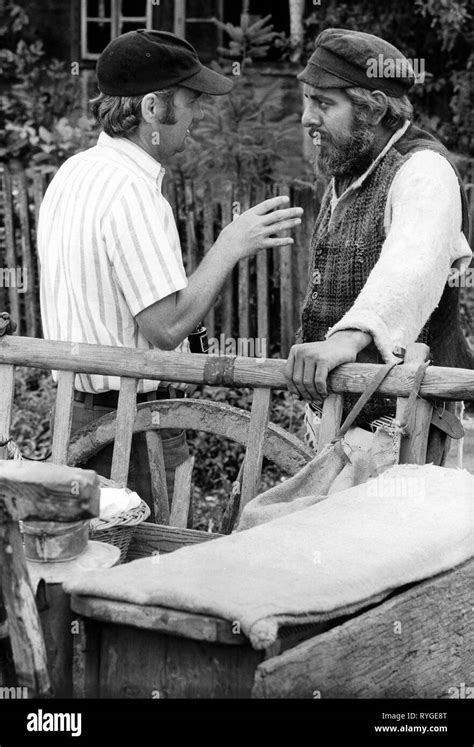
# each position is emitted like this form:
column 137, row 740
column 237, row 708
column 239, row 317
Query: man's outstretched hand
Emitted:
column 309, row 364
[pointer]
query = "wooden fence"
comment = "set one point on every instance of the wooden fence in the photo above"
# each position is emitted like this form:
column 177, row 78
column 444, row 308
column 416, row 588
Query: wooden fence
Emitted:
column 257, row 312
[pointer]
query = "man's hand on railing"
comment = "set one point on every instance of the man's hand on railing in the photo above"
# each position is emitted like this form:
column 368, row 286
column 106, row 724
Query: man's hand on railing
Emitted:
column 310, row 363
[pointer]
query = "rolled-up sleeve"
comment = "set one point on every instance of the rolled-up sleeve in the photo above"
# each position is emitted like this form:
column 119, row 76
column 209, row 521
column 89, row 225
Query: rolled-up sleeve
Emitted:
column 143, row 247
column 423, row 246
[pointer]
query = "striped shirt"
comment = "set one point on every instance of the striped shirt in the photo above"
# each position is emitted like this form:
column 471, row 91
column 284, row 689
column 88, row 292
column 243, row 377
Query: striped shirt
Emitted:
column 109, row 248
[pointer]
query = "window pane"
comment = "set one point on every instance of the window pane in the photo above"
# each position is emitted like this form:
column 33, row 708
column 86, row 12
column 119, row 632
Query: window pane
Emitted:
column 132, row 26
column 98, row 36
column 134, row 7
column 98, row 8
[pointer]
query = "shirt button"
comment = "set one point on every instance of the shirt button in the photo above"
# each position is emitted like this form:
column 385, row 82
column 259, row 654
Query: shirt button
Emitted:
column 314, row 295
column 316, row 276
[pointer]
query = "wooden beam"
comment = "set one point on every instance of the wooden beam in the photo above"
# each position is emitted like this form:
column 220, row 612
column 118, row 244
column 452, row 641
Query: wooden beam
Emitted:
column 330, row 419
column 43, row 491
column 413, row 446
column 418, row 644
column 149, row 539
column 182, row 493
column 160, row 619
column 161, row 508
column 7, row 388
column 26, row 638
column 63, row 416
column 255, row 445
column 126, row 410
column 439, row 383
column 10, row 244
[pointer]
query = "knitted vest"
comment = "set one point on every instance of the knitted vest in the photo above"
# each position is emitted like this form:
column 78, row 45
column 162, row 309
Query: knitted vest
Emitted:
column 344, row 255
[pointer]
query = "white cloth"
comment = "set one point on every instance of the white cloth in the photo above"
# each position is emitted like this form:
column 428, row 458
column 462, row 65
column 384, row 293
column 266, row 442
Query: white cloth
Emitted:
column 424, row 245
column 108, row 247
column 115, row 501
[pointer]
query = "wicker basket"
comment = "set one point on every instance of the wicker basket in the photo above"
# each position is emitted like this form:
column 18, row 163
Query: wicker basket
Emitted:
column 119, row 530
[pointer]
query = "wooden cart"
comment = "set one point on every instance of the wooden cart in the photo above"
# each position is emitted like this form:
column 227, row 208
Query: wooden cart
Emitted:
column 125, row 650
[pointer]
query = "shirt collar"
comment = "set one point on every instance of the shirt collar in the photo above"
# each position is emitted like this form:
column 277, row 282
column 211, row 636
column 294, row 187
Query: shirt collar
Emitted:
column 360, row 180
column 143, row 163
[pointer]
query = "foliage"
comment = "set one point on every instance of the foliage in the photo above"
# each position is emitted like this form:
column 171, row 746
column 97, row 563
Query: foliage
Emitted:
column 40, row 118
column 247, row 42
column 34, row 397
column 243, row 136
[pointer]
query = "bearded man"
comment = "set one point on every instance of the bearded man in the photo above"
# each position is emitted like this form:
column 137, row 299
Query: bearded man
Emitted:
column 391, row 229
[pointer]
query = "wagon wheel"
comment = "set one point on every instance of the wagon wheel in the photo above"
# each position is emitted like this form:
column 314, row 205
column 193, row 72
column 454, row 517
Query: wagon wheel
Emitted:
column 279, row 446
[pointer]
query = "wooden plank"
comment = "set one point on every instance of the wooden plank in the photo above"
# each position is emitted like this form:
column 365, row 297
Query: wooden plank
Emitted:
column 86, row 659
column 232, row 508
column 29, row 653
column 413, row 447
column 191, row 240
column 63, row 416
column 182, row 493
column 255, row 449
column 280, row 447
column 208, row 234
column 262, row 259
column 163, row 619
column 285, row 264
column 149, row 539
column 58, row 637
column 330, row 419
column 439, row 382
column 43, row 491
column 161, row 510
column 10, row 245
column 27, row 264
column 7, row 388
column 147, row 664
column 126, row 410
column 228, row 289
column 418, row 644
column 243, row 199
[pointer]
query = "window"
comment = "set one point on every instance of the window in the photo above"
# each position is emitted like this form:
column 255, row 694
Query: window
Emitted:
column 103, row 20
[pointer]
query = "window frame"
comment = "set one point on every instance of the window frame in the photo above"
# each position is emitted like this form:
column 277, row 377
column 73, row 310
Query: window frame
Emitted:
column 116, row 21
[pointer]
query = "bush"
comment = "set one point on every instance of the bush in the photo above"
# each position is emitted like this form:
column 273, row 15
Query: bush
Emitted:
column 35, row 394
column 40, row 117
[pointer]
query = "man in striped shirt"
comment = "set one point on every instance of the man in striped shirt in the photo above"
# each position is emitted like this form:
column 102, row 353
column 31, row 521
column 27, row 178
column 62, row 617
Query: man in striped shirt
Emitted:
column 111, row 264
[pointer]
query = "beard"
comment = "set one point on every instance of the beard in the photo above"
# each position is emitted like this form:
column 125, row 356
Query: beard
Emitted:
column 349, row 156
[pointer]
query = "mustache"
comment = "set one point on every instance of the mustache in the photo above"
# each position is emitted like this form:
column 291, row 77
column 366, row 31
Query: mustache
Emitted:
column 313, row 131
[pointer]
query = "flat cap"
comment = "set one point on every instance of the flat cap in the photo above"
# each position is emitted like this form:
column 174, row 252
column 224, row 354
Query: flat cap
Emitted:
column 344, row 58
column 142, row 61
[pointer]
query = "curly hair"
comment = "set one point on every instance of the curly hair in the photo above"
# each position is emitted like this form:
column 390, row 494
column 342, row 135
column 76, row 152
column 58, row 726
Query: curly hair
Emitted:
column 398, row 109
column 121, row 115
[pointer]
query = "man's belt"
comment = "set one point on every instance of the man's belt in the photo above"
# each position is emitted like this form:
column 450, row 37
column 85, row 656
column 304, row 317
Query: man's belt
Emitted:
column 110, row 398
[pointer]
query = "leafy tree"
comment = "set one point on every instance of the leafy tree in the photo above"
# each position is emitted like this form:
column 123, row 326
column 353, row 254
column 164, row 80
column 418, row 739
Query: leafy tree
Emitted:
column 40, row 118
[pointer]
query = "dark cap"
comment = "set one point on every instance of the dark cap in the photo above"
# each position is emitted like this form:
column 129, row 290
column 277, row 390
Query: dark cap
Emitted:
column 142, row 61
column 344, row 58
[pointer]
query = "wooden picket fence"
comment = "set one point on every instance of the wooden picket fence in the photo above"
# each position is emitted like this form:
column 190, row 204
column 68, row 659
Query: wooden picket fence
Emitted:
column 258, row 310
